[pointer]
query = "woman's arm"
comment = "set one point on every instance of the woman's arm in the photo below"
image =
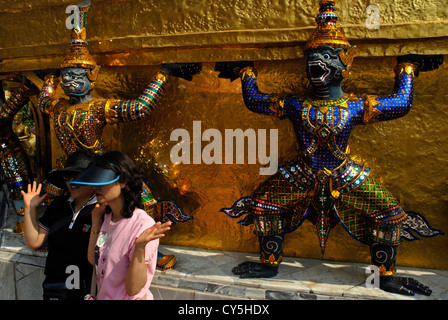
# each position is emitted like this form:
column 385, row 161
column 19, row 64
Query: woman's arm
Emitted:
column 97, row 222
column 136, row 276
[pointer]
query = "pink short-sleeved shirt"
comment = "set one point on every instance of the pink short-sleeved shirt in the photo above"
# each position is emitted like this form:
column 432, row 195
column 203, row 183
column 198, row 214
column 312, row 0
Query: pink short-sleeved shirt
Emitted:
column 114, row 250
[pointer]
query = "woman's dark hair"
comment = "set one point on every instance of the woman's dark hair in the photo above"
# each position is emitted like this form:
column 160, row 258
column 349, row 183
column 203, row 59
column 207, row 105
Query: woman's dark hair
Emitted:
column 124, row 166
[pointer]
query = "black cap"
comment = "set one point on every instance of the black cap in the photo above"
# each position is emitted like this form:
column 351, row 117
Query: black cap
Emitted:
column 77, row 162
column 96, row 176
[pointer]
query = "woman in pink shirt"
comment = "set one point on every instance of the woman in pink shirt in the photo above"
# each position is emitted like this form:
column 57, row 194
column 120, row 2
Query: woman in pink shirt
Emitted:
column 124, row 239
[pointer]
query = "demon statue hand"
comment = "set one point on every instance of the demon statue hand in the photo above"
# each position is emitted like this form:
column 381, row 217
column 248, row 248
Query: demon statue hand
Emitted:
column 79, row 120
column 324, row 184
column 15, row 166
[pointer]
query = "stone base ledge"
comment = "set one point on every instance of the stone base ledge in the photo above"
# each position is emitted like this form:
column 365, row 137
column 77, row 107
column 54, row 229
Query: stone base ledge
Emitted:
column 203, row 274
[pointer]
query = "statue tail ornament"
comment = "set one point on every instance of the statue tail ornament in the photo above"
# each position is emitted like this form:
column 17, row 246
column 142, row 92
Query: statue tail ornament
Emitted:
column 417, row 223
column 239, row 208
column 162, row 210
column 170, row 211
column 264, row 215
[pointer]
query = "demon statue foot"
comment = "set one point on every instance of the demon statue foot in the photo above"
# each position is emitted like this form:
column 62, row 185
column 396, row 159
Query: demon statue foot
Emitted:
column 250, row 269
column 403, row 285
column 384, row 257
column 271, row 250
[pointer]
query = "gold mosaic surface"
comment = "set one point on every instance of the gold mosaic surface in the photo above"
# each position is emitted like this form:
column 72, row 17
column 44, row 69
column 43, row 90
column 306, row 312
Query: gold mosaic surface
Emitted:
column 409, row 154
column 149, row 32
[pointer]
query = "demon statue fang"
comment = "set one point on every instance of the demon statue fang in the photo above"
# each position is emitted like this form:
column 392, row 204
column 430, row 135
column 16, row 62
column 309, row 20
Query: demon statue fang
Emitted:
column 324, row 184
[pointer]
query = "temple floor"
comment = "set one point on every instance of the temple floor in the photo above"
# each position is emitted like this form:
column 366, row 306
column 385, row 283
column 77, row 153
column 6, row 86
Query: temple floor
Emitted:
column 206, row 274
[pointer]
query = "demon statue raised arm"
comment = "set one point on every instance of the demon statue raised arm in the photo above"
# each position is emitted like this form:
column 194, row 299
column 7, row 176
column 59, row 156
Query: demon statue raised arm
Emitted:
column 324, row 184
column 14, row 163
column 79, row 120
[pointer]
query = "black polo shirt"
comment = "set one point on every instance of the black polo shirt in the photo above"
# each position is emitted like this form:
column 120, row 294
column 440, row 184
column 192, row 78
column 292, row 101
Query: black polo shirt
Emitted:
column 67, row 240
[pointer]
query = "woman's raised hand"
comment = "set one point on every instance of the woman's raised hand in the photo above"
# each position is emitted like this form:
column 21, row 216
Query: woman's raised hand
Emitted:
column 98, row 211
column 155, row 232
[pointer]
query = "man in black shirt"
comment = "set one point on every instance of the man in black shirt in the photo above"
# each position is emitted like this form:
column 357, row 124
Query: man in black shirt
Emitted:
column 65, row 225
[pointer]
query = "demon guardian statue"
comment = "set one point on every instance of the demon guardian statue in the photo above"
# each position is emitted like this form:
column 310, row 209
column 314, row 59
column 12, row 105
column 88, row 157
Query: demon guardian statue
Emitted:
column 324, row 184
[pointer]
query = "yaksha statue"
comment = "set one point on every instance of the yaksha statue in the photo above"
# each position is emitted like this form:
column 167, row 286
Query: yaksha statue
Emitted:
column 79, row 121
column 324, row 184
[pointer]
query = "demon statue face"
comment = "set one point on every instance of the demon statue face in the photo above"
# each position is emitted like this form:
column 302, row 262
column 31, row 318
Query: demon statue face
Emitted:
column 323, row 66
column 75, row 82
